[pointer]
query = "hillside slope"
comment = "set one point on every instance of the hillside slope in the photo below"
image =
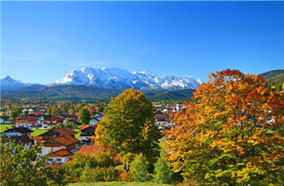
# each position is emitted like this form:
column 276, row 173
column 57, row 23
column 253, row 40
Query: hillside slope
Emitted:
column 274, row 78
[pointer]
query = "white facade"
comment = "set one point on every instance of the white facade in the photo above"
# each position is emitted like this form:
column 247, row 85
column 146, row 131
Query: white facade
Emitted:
column 93, row 122
column 57, row 160
column 26, row 125
column 14, row 133
column 85, row 138
column 47, row 150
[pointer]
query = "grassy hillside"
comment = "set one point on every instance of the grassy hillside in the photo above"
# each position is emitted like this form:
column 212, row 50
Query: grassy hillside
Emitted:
column 4, row 127
column 271, row 74
column 172, row 95
column 80, row 92
column 71, row 92
column 274, row 78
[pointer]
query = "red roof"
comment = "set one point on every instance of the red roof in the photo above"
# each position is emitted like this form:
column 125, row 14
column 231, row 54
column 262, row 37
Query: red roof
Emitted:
column 89, row 149
column 36, row 137
column 186, row 105
column 66, row 140
column 54, row 118
column 38, row 113
column 87, row 126
column 29, row 118
column 65, row 131
column 60, row 153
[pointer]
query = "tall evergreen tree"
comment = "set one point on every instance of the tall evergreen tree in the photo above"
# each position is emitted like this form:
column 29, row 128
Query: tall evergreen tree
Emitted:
column 139, row 169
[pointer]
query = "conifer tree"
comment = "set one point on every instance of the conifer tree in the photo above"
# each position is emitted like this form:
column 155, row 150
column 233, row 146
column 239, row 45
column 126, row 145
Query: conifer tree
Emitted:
column 87, row 173
column 138, row 168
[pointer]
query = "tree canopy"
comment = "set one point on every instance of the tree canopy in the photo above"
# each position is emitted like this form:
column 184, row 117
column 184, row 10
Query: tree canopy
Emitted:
column 23, row 166
column 128, row 126
column 84, row 116
column 232, row 135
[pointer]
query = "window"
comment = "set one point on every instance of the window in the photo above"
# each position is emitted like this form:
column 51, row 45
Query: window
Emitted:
column 58, row 159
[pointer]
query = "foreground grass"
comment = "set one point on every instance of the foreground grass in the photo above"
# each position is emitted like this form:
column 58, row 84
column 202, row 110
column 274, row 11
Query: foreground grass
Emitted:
column 3, row 127
column 118, row 184
column 78, row 134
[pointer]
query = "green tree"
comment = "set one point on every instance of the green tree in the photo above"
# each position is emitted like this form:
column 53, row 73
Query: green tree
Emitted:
column 55, row 111
column 15, row 112
column 138, row 168
column 49, row 111
column 162, row 172
column 22, row 166
column 87, row 173
column 128, row 126
column 84, row 116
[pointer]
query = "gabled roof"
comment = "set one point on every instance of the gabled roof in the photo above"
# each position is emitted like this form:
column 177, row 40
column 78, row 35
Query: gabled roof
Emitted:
column 60, row 153
column 21, row 139
column 54, row 118
column 4, row 117
column 89, row 149
column 29, row 118
column 36, row 137
column 65, row 130
column 95, row 148
column 88, row 126
column 62, row 130
column 18, row 129
column 66, row 140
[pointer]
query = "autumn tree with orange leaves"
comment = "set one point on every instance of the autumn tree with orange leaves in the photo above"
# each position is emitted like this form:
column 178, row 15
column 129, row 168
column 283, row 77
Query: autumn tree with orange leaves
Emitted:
column 232, row 135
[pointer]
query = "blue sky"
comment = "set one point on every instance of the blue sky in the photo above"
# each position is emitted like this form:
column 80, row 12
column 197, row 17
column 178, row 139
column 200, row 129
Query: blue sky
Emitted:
column 42, row 41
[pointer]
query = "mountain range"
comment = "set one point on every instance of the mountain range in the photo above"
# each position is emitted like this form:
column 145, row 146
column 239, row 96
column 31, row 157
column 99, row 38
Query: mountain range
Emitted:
column 97, row 84
column 115, row 78
column 94, row 84
column 110, row 78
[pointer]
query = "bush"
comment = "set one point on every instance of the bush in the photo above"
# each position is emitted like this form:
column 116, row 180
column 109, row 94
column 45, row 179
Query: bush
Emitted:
column 138, row 168
column 105, row 174
column 99, row 174
column 162, row 173
column 87, row 174
column 125, row 176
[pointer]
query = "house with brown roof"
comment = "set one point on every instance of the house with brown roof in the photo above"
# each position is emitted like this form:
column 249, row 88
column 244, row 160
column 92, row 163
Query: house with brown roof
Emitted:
column 59, row 157
column 87, row 131
column 62, row 131
column 27, row 121
column 5, row 119
column 96, row 148
column 24, row 140
column 57, row 143
column 57, row 139
column 17, row 131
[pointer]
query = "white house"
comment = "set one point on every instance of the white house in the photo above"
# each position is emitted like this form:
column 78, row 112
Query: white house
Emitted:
column 17, row 131
column 59, row 157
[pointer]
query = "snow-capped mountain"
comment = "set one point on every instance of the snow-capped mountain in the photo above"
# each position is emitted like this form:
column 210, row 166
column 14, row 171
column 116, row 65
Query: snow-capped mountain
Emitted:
column 116, row 78
column 8, row 84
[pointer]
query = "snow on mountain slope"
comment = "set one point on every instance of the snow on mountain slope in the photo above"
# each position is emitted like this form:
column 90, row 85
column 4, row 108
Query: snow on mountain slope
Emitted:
column 9, row 83
column 116, row 78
